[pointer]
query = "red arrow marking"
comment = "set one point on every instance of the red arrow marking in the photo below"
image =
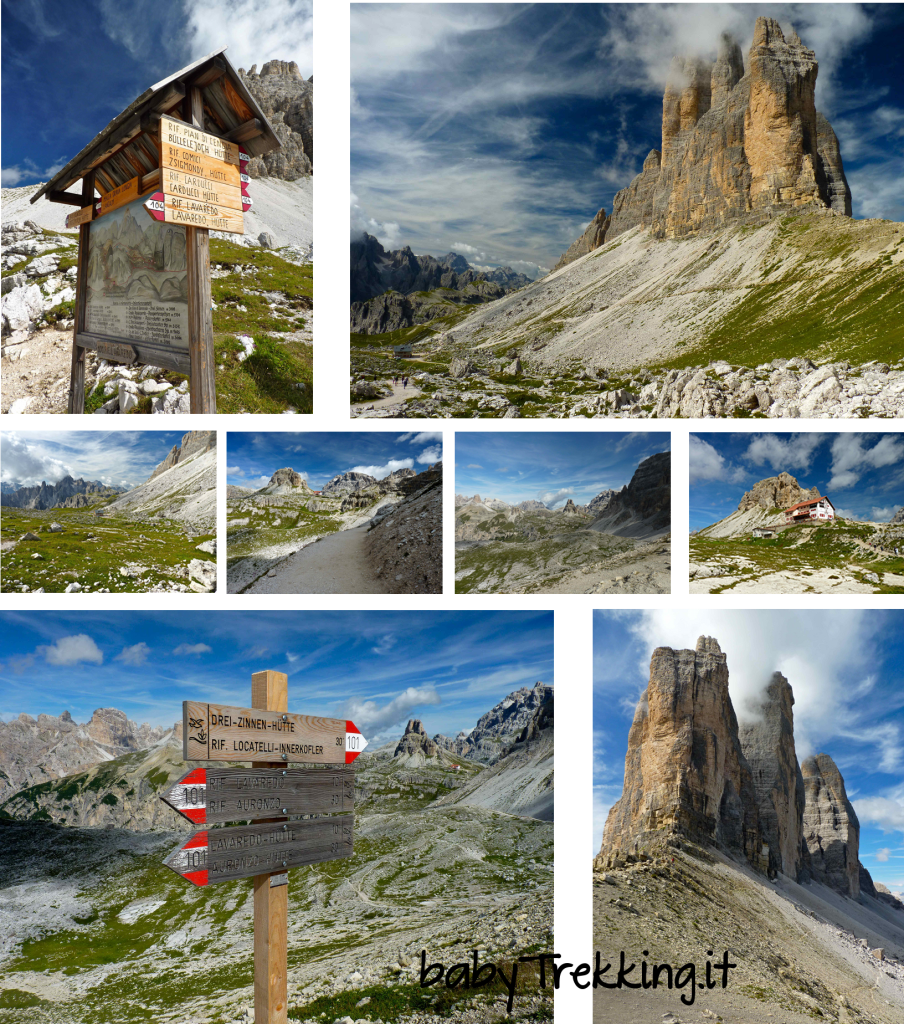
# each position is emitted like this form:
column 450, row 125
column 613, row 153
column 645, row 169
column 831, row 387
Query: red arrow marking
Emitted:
column 354, row 742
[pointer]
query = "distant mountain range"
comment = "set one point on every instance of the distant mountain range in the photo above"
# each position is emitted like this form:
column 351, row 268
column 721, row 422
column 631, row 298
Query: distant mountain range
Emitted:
column 392, row 289
column 44, row 495
column 595, row 505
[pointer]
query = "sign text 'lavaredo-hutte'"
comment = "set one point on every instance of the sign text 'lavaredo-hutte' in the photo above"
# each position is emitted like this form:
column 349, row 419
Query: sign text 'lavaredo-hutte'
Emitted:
column 214, row 796
column 215, row 732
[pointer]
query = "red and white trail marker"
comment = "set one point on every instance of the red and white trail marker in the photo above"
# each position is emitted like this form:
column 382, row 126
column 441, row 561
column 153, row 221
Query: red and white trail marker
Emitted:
column 155, row 206
column 227, row 854
column 214, row 796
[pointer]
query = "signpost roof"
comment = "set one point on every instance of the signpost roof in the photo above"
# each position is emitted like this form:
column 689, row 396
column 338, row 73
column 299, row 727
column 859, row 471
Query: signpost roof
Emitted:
column 125, row 145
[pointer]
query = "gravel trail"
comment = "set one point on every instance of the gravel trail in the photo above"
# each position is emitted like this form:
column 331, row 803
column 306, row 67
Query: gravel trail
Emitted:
column 338, row 564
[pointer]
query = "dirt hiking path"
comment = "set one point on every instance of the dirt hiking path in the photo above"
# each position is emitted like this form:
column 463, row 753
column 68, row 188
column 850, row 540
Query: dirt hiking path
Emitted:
column 398, row 397
column 338, row 564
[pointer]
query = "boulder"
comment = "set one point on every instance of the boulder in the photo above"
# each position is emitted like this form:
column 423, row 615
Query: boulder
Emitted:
column 461, row 367
column 202, row 575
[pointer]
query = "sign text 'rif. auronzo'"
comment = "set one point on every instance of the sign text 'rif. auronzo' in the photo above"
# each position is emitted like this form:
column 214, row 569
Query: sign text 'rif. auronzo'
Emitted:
column 215, row 732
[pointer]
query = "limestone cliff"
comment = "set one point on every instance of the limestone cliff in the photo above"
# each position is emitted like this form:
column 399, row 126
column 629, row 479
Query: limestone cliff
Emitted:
column 193, row 443
column 830, row 826
column 288, row 101
column 768, row 745
column 415, row 744
column 735, row 145
column 593, row 237
column 644, row 507
column 780, row 491
column 685, row 772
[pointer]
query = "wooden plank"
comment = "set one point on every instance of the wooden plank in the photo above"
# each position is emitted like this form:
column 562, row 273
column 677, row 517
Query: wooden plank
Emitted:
column 147, row 353
column 215, row 796
column 183, row 136
column 270, row 692
column 191, row 213
column 76, row 404
column 115, row 352
column 215, row 70
column 66, row 198
column 243, row 851
column 248, row 130
column 217, row 732
column 202, row 166
column 82, row 216
column 119, row 196
column 150, row 181
column 202, row 190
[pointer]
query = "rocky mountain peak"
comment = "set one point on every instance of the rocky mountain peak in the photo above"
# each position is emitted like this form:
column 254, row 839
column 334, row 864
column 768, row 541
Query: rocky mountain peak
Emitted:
column 644, row 506
column 691, row 770
column 780, row 491
column 768, row 745
column 288, row 101
column 831, row 829
column 735, row 146
column 287, row 477
column 569, row 508
column 415, row 743
column 193, row 443
column 685, row 773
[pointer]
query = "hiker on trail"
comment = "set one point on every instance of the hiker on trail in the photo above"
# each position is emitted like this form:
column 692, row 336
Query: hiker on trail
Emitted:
column 404, row 383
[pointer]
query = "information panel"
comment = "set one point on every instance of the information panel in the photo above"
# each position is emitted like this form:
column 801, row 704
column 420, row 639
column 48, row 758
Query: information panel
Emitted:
column 137, row 280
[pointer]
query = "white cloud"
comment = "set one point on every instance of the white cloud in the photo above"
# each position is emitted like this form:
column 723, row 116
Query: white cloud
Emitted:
column 826, row 657
column 886, row 812
column 232, row 470
column 552, row 498
column 783, row 453
column 137, row 654
column 26, row 463
column 192, row 649
column 883, row 855
column 882, row 514
column 473, row 465
column 379, row 472
column 71, row 650
column 851, row 457
column 424, row 437
column 707, row 464
column 430, row 455
column 373, row 719
column 387, row 233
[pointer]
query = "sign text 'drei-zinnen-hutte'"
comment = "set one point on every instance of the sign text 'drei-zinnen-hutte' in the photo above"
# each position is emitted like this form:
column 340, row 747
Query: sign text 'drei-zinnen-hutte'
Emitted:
column 215, row 732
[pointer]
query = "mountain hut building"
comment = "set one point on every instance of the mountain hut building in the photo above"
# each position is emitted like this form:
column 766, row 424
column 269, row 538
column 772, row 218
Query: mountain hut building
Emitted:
column 820, row 509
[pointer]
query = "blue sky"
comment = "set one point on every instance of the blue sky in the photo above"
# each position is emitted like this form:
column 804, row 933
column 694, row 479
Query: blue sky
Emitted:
column 70, row 68
column 252, row 458
column 119, row 458
column 499, row 130
column 376, row 668
column 550, row 467
column 846, row 669
column 863, row 474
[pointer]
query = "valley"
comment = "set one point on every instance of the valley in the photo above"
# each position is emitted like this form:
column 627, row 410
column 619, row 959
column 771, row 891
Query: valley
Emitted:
column 102, row 554
column 841, row 557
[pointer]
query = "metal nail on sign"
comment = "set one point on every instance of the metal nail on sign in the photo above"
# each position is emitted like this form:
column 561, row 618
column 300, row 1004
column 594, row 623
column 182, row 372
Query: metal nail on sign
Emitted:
column 227, row 854
column 215, row 732
column 214, row 796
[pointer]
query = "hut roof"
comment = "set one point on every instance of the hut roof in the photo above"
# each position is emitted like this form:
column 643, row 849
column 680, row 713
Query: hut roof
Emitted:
column 128, row 146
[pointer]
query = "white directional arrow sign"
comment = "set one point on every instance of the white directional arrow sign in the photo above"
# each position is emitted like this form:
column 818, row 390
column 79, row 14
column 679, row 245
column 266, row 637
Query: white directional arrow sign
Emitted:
column 214, row 796
column 215, row 732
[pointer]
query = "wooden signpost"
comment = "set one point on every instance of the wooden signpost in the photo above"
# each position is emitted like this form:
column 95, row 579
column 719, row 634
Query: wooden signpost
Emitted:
column 154, row 183
column 266, row 793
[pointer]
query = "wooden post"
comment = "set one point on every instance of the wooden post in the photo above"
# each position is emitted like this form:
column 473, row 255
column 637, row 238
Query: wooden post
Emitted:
column 202, row 383
column 77, row 369
column 270, row 692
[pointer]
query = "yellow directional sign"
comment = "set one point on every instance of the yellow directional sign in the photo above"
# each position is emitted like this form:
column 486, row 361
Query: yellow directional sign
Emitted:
column 119, row 196
column 190, row 212
column 200, row 189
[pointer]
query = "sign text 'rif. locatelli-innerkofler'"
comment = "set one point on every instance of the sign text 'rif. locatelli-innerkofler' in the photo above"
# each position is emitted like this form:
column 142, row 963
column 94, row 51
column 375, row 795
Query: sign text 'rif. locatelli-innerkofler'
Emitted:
column 226, row 854
column 214, row 732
